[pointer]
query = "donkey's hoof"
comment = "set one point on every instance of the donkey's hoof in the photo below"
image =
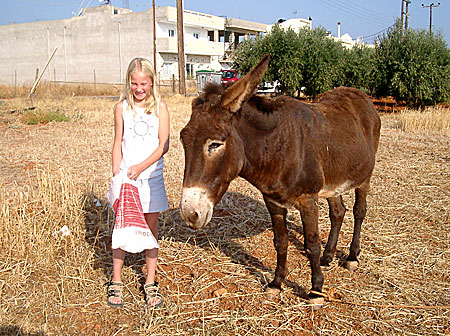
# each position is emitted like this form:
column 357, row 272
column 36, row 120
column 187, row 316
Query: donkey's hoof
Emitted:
column 272, row 293
column 325, row 261
column 317, row 302
column 351, row 265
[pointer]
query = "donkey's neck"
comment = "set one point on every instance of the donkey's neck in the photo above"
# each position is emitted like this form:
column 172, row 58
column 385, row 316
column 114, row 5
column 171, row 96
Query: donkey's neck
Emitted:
column 261, row 114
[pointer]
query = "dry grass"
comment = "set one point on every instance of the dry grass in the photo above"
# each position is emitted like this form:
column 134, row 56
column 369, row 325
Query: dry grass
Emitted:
column 54, row 174
column 51, row 90
column 432, row 119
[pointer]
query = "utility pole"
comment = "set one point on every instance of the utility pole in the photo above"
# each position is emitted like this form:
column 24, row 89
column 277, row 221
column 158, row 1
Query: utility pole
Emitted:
column 180, row 32
column 404, row 15
column 401, row 15
column 431, row 6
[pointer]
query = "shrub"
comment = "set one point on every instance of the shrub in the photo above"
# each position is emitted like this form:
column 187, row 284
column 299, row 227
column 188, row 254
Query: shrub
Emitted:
column 38, row 116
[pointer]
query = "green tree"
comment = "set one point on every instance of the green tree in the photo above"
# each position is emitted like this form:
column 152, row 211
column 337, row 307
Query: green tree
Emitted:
column 358, row 68
column 284, row 63
column 413, row 66
column 307, row 59
column 321, row 60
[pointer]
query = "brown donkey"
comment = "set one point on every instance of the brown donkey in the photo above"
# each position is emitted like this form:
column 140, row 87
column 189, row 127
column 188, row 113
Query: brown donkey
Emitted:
column 291, row 151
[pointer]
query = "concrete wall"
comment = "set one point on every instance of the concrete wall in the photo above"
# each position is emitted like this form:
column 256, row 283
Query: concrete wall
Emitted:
column 99, row 44
column 102, row 40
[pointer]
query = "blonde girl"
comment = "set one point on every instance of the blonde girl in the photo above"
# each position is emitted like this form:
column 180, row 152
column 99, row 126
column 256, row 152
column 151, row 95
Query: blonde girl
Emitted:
column 141, row 138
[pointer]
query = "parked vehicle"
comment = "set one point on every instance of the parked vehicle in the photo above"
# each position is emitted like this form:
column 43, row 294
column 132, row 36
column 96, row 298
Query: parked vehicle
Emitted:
column 269, row 87
column 229, row 77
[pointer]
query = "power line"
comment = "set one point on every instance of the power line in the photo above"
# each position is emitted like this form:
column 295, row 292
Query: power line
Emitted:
column 343, row 8
column 365, row 11
column 381, row 31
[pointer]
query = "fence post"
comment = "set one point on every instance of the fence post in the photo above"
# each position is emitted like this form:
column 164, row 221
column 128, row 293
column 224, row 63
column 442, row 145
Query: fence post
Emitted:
column 15, row 82
column 174, row 88
column 95, row 82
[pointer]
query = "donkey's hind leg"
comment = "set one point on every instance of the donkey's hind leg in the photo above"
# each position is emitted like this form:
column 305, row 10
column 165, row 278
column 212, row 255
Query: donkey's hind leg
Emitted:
column 336, row 212
column 359, row 213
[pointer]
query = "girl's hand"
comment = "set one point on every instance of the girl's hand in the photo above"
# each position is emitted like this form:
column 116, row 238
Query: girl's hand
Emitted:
column 134, row 172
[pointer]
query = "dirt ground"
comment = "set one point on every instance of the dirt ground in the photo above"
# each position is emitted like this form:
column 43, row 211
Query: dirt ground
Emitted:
column 212, row 280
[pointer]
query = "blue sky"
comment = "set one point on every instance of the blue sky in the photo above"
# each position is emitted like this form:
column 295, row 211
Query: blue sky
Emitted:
column 358, row 18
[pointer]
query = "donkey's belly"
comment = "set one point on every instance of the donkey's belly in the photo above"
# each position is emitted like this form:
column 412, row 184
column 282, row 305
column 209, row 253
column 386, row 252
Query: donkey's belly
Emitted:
column 333, row 191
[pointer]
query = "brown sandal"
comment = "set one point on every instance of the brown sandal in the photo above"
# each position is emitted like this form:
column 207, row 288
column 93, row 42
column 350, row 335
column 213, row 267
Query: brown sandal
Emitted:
column 152, row 296
column 115, row 291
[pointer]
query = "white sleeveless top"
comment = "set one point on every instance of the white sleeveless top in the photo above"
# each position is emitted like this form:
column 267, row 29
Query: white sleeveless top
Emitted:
column 139, row 140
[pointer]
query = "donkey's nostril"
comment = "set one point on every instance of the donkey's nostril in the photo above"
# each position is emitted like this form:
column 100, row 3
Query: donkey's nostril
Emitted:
column 193, row 216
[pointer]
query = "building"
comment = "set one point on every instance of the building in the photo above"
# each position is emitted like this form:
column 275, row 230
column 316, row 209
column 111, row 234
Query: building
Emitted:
column 97, row 45
column 295, row 24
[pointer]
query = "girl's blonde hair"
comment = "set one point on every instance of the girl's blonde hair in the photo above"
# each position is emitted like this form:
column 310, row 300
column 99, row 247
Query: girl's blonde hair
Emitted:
column 151, row 101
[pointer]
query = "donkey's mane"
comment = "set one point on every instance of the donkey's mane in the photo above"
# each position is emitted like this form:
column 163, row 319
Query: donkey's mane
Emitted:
column 212, row 89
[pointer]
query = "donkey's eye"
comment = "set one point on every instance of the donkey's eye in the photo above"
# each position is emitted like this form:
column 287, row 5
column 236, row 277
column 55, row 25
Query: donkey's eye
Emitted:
column 214, row 145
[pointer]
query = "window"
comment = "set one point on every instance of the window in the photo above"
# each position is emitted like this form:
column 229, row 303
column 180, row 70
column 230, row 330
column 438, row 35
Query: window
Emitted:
column 189, row 70
column 167, row 69
column 171, row 32
column 195, row 35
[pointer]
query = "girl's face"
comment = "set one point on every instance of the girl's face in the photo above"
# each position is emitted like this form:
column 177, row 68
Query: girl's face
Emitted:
column 140, row 86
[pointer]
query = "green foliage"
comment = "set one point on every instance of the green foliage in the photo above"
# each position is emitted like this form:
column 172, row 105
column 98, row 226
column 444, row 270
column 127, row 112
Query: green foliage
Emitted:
column 358, row 67
column 413, row 66
column 306, row 59
column 322, row 60
column 38, row 116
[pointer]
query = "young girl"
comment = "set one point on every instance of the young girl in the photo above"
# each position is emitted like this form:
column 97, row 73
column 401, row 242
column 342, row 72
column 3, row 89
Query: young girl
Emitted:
column 140, row 141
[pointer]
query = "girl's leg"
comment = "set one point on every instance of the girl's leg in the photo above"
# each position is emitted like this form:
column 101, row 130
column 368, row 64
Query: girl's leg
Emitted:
column 151, row 256
column 118, row 257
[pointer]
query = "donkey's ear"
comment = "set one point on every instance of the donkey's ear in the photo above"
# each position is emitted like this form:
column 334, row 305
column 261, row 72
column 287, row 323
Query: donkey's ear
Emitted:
column 238, row 93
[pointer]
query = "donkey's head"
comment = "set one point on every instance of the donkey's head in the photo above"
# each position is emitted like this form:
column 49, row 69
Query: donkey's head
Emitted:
column 214, row 154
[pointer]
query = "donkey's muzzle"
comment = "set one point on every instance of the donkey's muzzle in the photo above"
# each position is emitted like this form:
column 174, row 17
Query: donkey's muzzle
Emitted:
column 195, row 208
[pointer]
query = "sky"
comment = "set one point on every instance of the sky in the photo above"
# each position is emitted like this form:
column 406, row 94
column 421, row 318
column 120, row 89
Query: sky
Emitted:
column 363, row 18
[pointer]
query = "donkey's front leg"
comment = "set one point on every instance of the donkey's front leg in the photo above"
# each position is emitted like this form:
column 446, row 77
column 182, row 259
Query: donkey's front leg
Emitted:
column 309, row 212
column 280, row 240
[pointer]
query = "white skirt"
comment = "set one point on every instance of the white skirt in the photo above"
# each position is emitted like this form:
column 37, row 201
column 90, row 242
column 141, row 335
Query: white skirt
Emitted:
column 152, row 193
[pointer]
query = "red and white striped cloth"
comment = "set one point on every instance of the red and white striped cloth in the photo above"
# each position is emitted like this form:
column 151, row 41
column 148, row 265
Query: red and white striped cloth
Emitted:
column 131, row 232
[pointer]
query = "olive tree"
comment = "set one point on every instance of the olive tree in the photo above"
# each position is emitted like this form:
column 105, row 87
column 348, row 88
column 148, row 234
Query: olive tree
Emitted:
column 358, row 68
column 413, row 66
column 308, row 59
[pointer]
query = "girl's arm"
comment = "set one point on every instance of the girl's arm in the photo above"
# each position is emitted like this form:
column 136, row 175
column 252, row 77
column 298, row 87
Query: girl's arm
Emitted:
column 163, row 134
column 117, row 144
